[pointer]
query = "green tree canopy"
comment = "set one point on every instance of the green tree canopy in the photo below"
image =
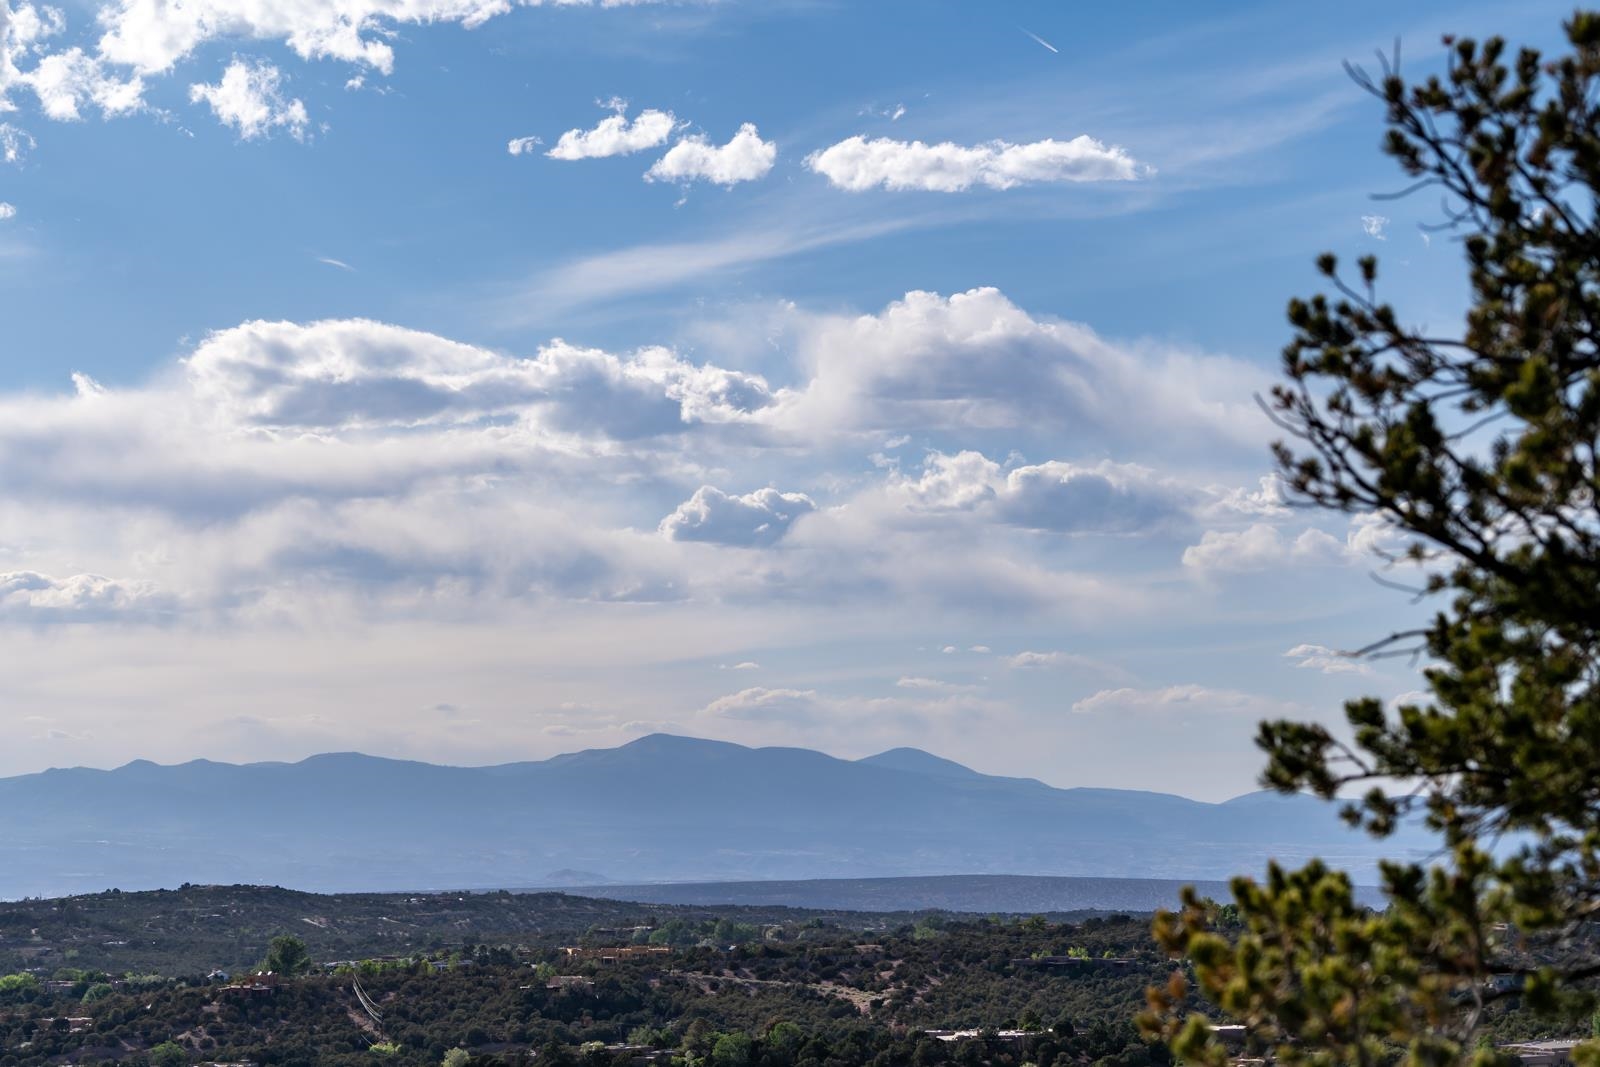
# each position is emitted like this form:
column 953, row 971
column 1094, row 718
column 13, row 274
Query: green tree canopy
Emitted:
column 18, row 984
column 287, row 955
column 168, row 1054
column 1479, row 449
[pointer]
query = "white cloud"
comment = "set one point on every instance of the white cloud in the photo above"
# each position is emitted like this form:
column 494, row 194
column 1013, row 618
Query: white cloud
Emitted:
column 1034, row 660
column 7, row 211
column 139, row 39
column 153, row 35
column 1178, row 700
column 1266, row 501
column 936, row 685
column 1374, row 226
column 1054, row 496
column 29, row 595
column 809, row 709
column 355, row 373
column 1324, row 659
column 758, row 518
column 522, row 146
column 975, row 361
column 68, row 82
column 614, row 136
column 1373, row 537
column 250, row 99
column 858, row 164
column 759, row 702
column 745, row 158
column 284, row 469
column 1261, row 547
column 14, row 143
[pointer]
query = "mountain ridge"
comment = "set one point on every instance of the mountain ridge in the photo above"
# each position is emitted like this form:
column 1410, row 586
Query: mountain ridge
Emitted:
column 660, row 808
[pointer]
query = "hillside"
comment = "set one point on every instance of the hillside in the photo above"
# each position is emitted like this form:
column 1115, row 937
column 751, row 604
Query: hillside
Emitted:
column 662, row 808
column 196, row 928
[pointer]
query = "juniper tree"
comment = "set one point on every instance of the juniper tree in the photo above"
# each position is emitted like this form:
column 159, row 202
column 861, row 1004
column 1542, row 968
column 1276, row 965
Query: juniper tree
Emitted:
column 1480, row 448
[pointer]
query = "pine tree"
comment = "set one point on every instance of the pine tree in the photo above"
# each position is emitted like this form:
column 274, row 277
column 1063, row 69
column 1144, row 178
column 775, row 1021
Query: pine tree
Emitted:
column 1480, row 448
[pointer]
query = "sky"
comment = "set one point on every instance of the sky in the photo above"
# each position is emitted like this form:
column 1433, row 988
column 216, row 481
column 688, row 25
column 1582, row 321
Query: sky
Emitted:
column 478, row 380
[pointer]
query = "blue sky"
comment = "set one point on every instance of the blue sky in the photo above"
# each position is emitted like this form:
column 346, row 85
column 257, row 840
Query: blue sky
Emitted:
column 908, row 403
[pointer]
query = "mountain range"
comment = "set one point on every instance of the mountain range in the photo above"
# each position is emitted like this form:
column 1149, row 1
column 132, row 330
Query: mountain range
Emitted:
column 660, row 809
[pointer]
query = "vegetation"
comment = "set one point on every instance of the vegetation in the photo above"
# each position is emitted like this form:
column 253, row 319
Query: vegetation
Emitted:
column 196, row 929
column 1479, row 452
column 803, row 992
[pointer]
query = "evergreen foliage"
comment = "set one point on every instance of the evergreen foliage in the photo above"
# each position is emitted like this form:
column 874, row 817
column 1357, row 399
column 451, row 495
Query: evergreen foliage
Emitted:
column 1479, row 451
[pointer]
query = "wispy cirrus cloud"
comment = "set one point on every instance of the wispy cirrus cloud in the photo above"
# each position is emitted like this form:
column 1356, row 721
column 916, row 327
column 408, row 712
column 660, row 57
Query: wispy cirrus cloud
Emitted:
column 1181, row 700
column 603, row 277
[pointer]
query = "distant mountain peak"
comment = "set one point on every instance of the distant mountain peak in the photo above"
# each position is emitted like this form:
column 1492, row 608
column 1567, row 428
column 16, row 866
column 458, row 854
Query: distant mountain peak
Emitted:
column 677, row 742
column 916, row 761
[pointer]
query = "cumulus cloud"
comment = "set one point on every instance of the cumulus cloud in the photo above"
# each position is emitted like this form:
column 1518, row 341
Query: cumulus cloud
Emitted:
column 1058, row 496
column 1267, row 500
column 250, row 98
column 1374, row 226
column 7, row 211
column 758, row 518
column 282, row 461
column 974, row 361
column 857, row 164
column 395, row 469
column 67, row 83
column 522, row 146
column 1261, row 547
column 745, row 158
column 1326, row 660
column 357, row 373
column 614, row 136
column 31, row 596
column 139, row 39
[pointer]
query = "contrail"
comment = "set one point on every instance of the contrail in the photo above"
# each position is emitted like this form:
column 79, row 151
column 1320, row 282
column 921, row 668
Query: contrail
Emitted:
column 1041, row 40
